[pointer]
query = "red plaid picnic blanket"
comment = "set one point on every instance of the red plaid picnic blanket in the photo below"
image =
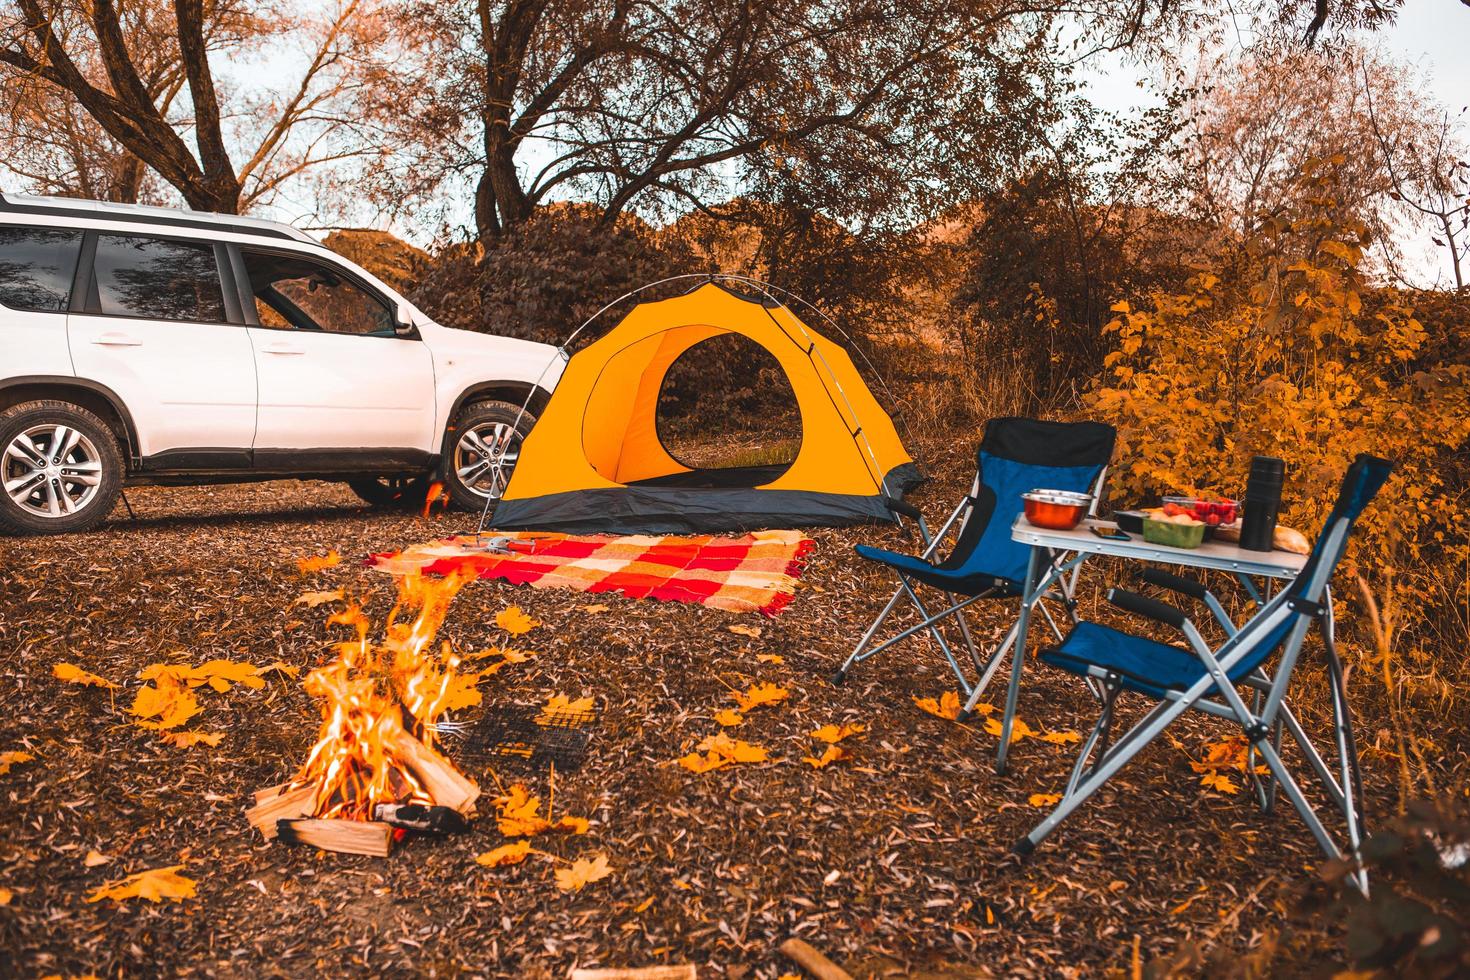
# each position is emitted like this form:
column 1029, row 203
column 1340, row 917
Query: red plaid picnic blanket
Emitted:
column 752, row 573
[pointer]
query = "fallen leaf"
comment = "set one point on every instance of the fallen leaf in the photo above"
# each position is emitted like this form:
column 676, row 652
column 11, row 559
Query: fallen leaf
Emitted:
column 729, row 717
column 834, row 753
column 514, row 621
column 571, row 825
column 95, row 859
column 582, row 872
column 187, row 740
column 751, row 631
column 595, row 609
column 513, row 853
column 770, row 658
column 832, row 734
column 155, row 885
column 317, row 563
column 1044, row 799
column 280, row 667
column 643, row 906
column 313, row 599
column 72, row 674
column 519, row 813
column 170, row 702
column 1061, row 738
column 720, row 751
column 461, row 691
column 6, row 895
column 13, row 758
column 1220, row 782
column 759, row 694
column 561, row 705
column 220, row 674
column 1019, row 729
column 947, row 707
column 516, row 656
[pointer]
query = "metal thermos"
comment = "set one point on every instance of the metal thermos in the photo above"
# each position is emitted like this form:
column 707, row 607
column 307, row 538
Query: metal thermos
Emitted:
column 1262, row 503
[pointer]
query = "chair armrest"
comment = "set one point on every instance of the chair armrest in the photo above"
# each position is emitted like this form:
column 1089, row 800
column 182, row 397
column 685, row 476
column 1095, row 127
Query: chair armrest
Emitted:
column 900, row 506
column 1144, row 606
column 1175, row 583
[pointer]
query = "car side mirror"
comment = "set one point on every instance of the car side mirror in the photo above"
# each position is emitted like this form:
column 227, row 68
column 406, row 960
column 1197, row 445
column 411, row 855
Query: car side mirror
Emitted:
column 403, row 322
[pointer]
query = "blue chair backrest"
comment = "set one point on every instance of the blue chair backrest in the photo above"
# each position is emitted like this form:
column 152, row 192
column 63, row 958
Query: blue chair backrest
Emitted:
column 1364, row 478
column 1016, row 456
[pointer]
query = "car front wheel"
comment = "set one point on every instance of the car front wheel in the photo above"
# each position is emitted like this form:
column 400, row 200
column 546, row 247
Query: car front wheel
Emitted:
column 60, row 468
column 481, row 450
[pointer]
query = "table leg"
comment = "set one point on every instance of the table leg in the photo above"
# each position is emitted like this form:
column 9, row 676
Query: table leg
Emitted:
column 1018, row 654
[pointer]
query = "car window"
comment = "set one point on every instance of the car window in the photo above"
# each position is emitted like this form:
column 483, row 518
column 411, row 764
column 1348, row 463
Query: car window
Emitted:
column 36, row 267
column 156, row 279
column 291, row 291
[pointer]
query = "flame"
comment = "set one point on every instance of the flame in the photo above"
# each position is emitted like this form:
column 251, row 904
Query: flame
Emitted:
column 373, row 694
column 436, row 495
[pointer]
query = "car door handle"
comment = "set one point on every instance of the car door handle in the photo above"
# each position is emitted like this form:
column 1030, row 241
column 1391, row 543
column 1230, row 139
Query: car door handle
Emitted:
column 281, row 349
column 114, row 339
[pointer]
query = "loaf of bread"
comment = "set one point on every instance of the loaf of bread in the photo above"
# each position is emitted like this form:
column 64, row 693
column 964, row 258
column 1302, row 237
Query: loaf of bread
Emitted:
column 1285, row 538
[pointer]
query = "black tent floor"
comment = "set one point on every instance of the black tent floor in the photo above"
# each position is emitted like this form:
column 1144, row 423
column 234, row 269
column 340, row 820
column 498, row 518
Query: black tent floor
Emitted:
column 726, row 478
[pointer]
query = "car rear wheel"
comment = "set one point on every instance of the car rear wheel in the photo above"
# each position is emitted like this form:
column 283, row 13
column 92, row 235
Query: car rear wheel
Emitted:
column 60, row 468
column 481, row 450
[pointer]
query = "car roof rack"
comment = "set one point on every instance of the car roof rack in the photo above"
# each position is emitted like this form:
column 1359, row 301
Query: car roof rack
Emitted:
column 70, row 207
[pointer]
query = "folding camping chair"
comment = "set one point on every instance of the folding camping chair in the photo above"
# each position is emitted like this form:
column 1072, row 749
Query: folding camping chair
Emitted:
column 1206, row 679
column 1016, row 456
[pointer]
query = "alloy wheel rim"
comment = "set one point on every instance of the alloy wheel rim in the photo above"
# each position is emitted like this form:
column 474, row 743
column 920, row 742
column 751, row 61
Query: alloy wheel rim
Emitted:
column 51, row 470
column 484, row 457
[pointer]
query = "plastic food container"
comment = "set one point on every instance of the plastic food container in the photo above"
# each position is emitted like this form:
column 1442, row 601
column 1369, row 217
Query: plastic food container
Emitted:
column 1211, row 512
column 1056, row 510
column 1173, row 535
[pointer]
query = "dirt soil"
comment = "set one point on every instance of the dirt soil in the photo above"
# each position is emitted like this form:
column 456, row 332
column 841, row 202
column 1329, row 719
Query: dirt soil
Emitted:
column 895, row 863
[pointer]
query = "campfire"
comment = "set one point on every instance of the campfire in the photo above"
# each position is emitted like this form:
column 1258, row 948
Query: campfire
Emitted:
column 375, row 772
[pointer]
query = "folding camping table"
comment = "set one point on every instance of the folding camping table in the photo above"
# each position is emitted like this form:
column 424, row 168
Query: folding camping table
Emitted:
column 1056, row 553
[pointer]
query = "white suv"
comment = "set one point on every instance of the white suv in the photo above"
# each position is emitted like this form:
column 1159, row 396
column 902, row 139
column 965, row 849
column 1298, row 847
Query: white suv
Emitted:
column 148, row 346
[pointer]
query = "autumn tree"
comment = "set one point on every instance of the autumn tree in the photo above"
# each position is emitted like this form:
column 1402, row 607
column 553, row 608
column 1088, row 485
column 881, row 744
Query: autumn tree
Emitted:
column 145, row 73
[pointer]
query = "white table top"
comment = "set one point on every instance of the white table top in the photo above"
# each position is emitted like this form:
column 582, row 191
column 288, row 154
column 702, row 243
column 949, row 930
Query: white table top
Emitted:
column 1217, row 555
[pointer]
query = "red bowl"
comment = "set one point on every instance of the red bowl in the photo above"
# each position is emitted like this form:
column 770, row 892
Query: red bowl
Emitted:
column 1055, row 510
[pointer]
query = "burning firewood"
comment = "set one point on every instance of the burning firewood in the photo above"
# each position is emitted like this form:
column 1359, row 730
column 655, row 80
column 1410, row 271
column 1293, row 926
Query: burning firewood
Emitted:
column 375, row 746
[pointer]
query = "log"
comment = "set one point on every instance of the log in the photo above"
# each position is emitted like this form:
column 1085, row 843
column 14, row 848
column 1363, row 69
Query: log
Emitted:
column 343, row 836
column 446, row 784
column 276, row 803
column 684, row 971
column 812, row 961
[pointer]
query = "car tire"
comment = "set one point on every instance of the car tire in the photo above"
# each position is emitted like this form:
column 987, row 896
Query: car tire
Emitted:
column 468, row 470
column 43, row 491
column 401, row 492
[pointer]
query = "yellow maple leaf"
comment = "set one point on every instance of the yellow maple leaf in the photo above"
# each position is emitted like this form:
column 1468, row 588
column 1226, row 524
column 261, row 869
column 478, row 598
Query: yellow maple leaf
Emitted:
column 721, row 750
column 1019, row 729
column 187, row 740
column 572, row 825
column 728, row 717
column 759, row 694
column 155, row 885
column 13, row 758
column 753, row 632
column 95, row 859
column 696, row 762
column 595, row 608
column 1044, row 799
column 72, row 674
column 512, row 853
column 461, row 692
column 947, row 707
column 515, row 621
column 1219, row 782
column 582, row 872
column 1061, row 737
column 170, row 702
column 834, row 753
column 832, row 734
column 519, row 813
column 313, row 599
column 561, row 705
column 317, row 563
column 280, row 667
column 770, row 658
column 220, row 674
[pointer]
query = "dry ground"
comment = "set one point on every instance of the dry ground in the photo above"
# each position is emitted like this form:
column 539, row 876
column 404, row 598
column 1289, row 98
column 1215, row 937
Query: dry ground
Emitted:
column 896, row 862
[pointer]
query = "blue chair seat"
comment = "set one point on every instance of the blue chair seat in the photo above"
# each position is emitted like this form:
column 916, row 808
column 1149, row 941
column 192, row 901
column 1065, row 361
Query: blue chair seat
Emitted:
column 1144, row 665
column 956, row 580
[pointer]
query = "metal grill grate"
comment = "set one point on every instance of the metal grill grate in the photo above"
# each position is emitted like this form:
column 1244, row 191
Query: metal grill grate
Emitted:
column 530, row 737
